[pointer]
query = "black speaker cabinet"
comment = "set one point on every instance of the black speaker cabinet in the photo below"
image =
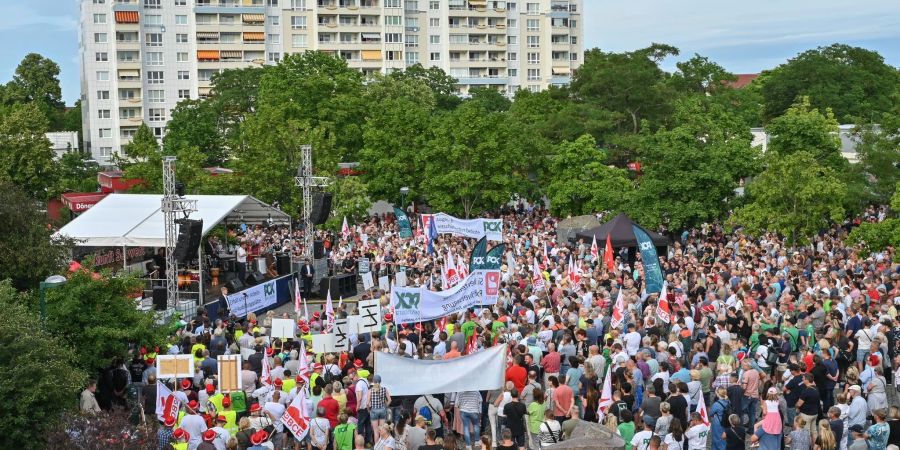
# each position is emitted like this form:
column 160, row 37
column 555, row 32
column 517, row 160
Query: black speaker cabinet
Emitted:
column 190, row 233
column 159, row 298
column 321, row 207
column 283, row 264
column 235, row 285
column 255, row 278
column 318, row 250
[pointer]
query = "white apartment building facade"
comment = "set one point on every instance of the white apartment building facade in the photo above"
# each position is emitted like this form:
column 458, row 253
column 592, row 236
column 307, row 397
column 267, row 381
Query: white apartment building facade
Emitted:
column 141, row 57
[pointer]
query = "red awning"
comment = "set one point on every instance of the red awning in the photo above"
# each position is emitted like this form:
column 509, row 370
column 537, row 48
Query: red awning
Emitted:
column 79, row 202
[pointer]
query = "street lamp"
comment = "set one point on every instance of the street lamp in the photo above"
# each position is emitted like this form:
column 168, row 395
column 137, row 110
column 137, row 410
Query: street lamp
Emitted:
column 51, row 282
column 403, row 191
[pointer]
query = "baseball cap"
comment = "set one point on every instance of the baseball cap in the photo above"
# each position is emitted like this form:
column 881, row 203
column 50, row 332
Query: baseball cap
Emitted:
column 856, row 428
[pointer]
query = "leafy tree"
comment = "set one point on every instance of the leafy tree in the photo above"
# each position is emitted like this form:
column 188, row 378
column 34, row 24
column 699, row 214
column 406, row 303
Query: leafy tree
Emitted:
column 351, row 200
column 71, row 119
column 28, row 252
column 879, row 154
column 26, row 158
column 853, row 82
column 489, row 99
column 579, row 182
column 441, row 84
column 76, row 173
column 795, row 196
column 690, row 172
column 36, row 81
column 41, row 377
column 699, row 75
column 875, row 237
column 195, row 123
column 143, row 160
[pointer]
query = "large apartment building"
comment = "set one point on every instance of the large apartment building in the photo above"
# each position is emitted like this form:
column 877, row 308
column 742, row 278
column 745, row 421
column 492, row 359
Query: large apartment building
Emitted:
column 141, row 57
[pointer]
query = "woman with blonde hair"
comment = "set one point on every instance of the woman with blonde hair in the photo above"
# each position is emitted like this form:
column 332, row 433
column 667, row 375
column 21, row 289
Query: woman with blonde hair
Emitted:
column 826, row 439
column 725, row 359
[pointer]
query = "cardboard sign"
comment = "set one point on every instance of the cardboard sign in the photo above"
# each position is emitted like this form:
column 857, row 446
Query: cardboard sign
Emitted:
column 400, row 279
column 368, row 281
column 370, row 315
column 323, row 343
column 384, row 283
column 364, row 265
column 174, row 366
column 354, row 324
column 229, row 372
column 341, row 335
column 283, row 328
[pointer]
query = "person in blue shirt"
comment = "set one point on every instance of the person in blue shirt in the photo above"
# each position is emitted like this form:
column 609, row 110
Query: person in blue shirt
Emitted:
column 877, row 434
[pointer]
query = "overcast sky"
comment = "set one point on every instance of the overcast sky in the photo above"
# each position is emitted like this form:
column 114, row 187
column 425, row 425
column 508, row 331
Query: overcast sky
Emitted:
column 743, row 37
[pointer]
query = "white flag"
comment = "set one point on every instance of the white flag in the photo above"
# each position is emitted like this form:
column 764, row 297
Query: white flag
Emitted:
column 266, row 371
column 618, row 313
column 606, row 399
column 303, row 371
column 345, row 229
column 329, row 314
column 537, row 277
column 295, row 417
column 297, row 298
column 595, row 251
column 167, row 404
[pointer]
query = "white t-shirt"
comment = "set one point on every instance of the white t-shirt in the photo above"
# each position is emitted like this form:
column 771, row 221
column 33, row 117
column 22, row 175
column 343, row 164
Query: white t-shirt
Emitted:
column 277, row 410
column 672, row 443
column 632, row 342
column 641, row 440
column 318, row 431
column 241, row 255
column 362, row 392
column 697, row 435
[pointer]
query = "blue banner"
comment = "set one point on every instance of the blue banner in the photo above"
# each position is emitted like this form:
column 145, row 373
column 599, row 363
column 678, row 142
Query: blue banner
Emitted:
column 403, row 222
column 262, row 297
column 653, row 279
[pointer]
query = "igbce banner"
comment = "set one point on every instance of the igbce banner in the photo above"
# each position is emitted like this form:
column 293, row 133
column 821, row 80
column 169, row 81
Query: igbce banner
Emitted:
column 418, row 304
column 471, row 228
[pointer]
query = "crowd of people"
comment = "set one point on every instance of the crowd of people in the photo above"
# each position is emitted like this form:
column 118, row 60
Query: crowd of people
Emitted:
column 767, row 346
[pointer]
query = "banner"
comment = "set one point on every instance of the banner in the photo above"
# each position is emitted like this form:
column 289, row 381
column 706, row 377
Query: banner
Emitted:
column 493, row 261
column 663, row 309
column 259, row 297
column 418, row 304
column 653, row 278
column 478, row 259
column 471, row 228
column 482, row 371
column 295, row 417
column 403, row 222
column 167, row 404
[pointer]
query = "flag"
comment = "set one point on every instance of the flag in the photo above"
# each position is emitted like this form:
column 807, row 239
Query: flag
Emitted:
column 546, row 261
column 296, row 418
column 701, row 409
column 445, row 283
column 663, row 310
column 608, row 257
column 477, row 259
column 432, row 234
column 297, row 297
column 595, row 252
column 441, row 325
column 266, row 377
column 649, row 259
column 403, row 223
column 345, row 229
column 166, row 403
column 461, row 270
column 340, row 301
column 452, row 275
column 329, row 314
column 472, row 345
column 303, row 370
column 537, row 278
column 606, row 399
column 618, row 313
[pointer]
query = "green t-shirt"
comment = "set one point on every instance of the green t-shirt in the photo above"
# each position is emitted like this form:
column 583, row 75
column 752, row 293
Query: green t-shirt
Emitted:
column 468, row 328
column 754, row 342
column 535, row 416
column 795, row 336
column 626, row 430
column 343, row 436
column 495, row 327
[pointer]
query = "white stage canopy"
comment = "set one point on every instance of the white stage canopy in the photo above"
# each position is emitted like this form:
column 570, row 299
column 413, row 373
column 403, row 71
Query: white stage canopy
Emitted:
column 136, row 220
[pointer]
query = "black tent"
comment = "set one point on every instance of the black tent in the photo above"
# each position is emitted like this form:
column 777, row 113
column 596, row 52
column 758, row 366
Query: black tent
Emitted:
column 620, row 232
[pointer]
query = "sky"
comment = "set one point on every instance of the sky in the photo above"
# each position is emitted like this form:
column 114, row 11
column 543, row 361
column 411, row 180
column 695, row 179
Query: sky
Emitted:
column 743, row 37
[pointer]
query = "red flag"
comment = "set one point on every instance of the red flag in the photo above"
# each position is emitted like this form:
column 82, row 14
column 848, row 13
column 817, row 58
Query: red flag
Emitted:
column 663, row 309
column 295, row 417
column 472, row 345
column 701, row 409
column 608, row 258
column 606, row 399
column 595, row 252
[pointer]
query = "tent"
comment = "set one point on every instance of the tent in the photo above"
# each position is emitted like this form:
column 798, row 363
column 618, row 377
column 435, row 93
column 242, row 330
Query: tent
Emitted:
column 136, row 220
column 620, row 232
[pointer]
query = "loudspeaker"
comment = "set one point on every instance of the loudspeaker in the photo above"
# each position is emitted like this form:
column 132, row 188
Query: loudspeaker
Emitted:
column 283, row 264
column 235, row 285
column 340, row 286
column 159, row 298
column 255, row 278
column 321, row 207
column 190, row 233
column 318, row 250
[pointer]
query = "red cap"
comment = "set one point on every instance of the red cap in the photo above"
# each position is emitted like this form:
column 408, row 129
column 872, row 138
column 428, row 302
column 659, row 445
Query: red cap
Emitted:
column 221, row 418
column 317, row 366
column 304, row 329
column 179, row 433
column 255, row 407
column 299, row 379
column 143, row 350
column 278, row 382
column 358, row 363
column 193, row 404
column 170, row 421
column 316, row 315
column 389, row 317
column 259, row 437
column 226, row 402
column 270, row 351
column 210, row 389
column 150, row 361
column 209, row 435
column 186, row 383
column 156, row 349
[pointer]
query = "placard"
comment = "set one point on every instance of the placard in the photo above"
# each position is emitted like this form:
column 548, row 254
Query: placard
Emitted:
column 354, row 324
column 364, row 265
column 341, row 335
column 400, row 279
column 368, row 281
column 229, row 373
column 384, row 283
column 370, row 315
column 283, row 328
column 174, row 366
column 323, row 343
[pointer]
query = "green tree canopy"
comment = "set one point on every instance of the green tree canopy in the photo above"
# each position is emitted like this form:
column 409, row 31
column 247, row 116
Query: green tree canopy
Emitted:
column 351, row 200
column 879, row 153
column 26, row 158
column 36, row 81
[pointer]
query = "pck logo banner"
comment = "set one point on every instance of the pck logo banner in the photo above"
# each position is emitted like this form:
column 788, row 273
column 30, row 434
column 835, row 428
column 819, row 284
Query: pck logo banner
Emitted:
column 253, row 299
column 652, row 273
column 492, row 229
column 413, row 304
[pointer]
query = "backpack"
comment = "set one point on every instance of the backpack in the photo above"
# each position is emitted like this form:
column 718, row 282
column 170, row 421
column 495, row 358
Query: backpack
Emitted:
column 327, row 376
column 425, row 412
column 726, row 412
column 771, row 356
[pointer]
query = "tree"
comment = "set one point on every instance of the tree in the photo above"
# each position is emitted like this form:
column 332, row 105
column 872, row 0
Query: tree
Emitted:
column 690, row 172
column 879, row 154
column 41, row 377
column 795, row 196
column 351, row 200
column 876, row 237
column 36, row 81
column 441, row 84
column 143, row 160
column 26, row 158
column 579, row 182
column 71, row 119
column 76, row 173
column 699, row 75
column 854, row 82
column 195, row 123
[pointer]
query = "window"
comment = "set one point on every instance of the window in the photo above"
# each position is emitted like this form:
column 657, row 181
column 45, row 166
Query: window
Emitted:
column 512, row 23
column 532, row 8
column 156, row 96
column 184, row 75
column 101, row 56
column 412, row 57
column 184, row 94
column 180, row 2
column 274, row 57
column 153, row 39
column 274, row 20
column 103, row 114
column 533, row 24
column 298, row 4
column 180, row 19
column 155, row 77
column 274, row 38
column 534, row 58
column 434, row 5
column 434, row 56
column 99, row 2
column 127, row 113
column 298, row 41
column 99, row 38
column 105, row 151
column 153, row 19
column 512, row 40
column 393, row 55
column 434, row 39
column 534, row 74
column 127, row 94
column 158, row 131
column 573, row 23
column 511, row 6
column 99, row 18
column 105, row 132
column 181, row 38
column 534, row 88
column 512, row 56
column 102, row 95
column 573, row 56
column 534, row 41
column 154, row 58
column 102, row 75
column 156, row 114
column 412, row 40
column 412, row 22
column 152, row 4
column 574, row 40
column 393, row 21
column 434, row 22
column 181, row 57
column 512, row 72
column 298, row 22
column 393, row 38
column 392, row 4
column 458, row 39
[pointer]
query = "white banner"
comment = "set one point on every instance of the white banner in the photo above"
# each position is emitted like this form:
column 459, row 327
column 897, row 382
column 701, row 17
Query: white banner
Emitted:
column 418, row 304
column 295, row 417
column 283, row 328
column 368, row 281
column 483, row 371
column 471, row 228
column 253, row 299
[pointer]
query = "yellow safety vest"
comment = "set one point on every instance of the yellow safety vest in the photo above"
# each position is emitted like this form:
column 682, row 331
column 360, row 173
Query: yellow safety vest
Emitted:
column 289, row 383
column 216, row 400
column 238, row 334
column 180, row 446
column 312, row 379
column 230, row 422
column 180, row 416
column 194, row 351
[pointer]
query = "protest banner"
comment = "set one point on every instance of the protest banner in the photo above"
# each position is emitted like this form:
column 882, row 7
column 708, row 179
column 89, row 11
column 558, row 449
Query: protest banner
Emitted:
column 370, row 316
column 368, row 281
column 482, row 371
column 418, row 304
column 492, row 229
column 650, row 260
column 403, row 223
column 229, row 368
column 174, row 366
column 384, row 283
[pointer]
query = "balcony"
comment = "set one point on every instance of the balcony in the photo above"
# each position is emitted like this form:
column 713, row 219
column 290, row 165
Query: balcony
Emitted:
column 483, row 80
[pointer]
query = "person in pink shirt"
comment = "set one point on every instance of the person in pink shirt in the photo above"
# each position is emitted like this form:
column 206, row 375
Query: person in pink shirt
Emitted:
column 750, row 383
column 551, row 362
column 563, row 399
